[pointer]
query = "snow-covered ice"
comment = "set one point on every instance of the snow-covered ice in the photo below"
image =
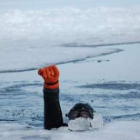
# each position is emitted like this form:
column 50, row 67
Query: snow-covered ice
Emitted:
column 114, row 95
column 82, row 124
column 95, row 46
column 35, row 38
column 116, row 130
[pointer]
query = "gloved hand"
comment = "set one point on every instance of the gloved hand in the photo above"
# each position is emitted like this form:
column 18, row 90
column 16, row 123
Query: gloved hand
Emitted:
column 50, row 74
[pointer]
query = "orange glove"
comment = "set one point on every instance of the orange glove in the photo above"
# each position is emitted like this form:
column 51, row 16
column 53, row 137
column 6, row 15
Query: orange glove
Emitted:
column 50, row 74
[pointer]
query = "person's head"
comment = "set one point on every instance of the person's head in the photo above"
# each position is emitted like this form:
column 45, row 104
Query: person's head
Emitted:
column 83, row 110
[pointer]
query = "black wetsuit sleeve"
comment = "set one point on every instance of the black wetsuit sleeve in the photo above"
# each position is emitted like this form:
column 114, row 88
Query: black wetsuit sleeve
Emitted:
column 52, row 110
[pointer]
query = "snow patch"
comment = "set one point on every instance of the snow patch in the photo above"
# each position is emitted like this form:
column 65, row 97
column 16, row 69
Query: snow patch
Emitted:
column 117, row 130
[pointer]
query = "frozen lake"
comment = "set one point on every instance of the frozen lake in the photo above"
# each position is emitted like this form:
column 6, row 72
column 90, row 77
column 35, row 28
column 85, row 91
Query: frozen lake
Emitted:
column 110, row 83
column 96, row 46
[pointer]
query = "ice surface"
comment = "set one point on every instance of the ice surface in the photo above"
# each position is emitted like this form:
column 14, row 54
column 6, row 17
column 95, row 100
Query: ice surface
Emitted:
column 31, row 59
column 56, row 32
column 119, row 106
column 97, row 122
column 79, row 124
column 116, row 130
column 82, row 124
column 33, row 38
column 43, row 4
column 70, row 25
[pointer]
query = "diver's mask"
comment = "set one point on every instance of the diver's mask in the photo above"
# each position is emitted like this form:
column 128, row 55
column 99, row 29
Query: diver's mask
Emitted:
column 83, row 110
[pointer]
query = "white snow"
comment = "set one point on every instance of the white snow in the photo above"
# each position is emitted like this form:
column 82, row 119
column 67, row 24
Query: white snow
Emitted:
column 57, row 32
column 82, row 124
column 91, row 72
column 116, row 130
column 27, row 57
column 43, row 4
column 33, row 38
column 79, row 124
column 97, row 122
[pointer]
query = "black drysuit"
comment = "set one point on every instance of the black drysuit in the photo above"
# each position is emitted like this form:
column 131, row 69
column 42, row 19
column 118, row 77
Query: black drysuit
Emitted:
column 52, row 110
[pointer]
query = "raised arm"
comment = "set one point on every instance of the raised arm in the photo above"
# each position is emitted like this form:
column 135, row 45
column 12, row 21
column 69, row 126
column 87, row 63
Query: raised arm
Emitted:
column 52, row 110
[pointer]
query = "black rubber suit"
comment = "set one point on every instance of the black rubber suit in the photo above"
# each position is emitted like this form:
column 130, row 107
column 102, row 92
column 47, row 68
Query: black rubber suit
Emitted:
column 52, row 110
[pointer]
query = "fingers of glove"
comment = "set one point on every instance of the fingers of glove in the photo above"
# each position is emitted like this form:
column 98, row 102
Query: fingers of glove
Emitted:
column 50, row 74
column 51, row 71
column 40, row 71
column 44, row 75
column 56, row 71
column 47, row 72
